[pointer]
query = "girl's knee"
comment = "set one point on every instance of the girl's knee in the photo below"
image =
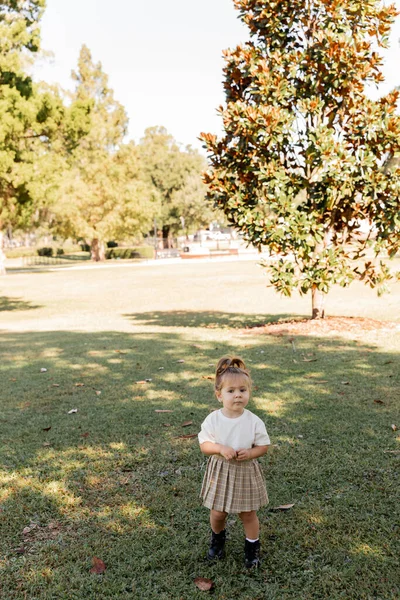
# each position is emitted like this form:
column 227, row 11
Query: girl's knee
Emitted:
column 219, row 515
column 248, row 516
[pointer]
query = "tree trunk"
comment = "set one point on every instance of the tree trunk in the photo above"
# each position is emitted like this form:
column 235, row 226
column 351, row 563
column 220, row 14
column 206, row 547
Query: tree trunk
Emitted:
column 97, row 250
column 318, row 299
column 165, row 236
column 2, row 255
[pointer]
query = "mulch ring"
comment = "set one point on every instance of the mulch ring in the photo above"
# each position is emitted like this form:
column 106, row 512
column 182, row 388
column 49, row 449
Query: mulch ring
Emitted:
column 321, row 327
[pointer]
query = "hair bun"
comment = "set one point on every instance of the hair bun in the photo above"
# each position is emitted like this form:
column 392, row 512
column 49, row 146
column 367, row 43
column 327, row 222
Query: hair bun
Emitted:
column 227, row 362
column 238, row 363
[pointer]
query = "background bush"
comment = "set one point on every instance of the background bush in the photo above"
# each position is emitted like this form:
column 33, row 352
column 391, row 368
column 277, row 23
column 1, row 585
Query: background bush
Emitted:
column 45, row 251
column 126, row 253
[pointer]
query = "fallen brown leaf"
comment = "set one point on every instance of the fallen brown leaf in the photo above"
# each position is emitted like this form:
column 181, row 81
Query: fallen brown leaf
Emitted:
column 345, row 382
column 56, row 385
column 46, row 428
column 180, row 361
column 203, row 584
column 79, row 385
column 185, row 437
column 394, row 428
column 98, row 566
column 187, row 423
column 208, row 377
column 85, row 435
column 283, row 507
column 163, row 411
column 379, row 402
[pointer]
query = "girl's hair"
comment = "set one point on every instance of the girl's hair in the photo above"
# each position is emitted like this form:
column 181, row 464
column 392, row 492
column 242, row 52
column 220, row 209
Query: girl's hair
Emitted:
column 230, row 365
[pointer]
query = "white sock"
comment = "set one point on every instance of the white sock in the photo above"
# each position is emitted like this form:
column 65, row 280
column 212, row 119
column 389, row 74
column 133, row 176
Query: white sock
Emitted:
column 252, row 541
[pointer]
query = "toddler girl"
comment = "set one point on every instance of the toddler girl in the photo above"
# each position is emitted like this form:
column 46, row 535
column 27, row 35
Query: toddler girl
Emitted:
column 233, row 438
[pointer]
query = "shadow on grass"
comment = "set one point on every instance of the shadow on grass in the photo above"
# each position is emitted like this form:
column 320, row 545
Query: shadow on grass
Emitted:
column 208, row 319
column 8, row 304
column 118, row 480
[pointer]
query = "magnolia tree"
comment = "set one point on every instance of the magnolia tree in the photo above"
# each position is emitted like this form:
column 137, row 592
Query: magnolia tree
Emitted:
column 304, row 160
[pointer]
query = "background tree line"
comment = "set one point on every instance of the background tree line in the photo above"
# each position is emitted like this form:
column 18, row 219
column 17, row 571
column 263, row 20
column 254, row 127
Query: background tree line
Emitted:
column 65, row 160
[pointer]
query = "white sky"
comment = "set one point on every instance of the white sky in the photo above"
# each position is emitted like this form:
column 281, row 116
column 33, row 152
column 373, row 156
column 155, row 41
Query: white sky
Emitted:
column 163, row 57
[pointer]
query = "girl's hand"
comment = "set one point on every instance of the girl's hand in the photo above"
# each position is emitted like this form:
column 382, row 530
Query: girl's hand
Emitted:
column 227, row 452
column 244, row 454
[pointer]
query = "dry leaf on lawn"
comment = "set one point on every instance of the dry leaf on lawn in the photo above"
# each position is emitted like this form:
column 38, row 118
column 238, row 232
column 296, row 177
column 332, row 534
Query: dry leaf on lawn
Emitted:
column 187, row 423
column 203, row 583
column 180, row 361
column 394, row 427
column 379, row 402
column 43, row 370
column 72, row 411
column 208, row 377
column 283, row 507
column 85, row 435
column 79, row 385
column 163, row 411
column 46, row 428
column 98, row 566
column 185, row 437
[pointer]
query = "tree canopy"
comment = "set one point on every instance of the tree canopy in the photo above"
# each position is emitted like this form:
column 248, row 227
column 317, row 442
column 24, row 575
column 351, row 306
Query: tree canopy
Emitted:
column 36, row 126
column 175, row 176
column 302, row 162
column 103, row 194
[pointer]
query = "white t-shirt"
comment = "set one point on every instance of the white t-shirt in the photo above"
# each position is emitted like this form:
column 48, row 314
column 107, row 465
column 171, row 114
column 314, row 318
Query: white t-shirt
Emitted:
column 242, row 432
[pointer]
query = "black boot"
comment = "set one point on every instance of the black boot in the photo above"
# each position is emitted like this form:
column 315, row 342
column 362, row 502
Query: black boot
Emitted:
column 217, row 545
column 252, row 554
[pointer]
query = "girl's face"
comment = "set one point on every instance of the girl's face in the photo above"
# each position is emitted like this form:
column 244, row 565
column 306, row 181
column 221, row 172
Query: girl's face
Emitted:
column 234, row 395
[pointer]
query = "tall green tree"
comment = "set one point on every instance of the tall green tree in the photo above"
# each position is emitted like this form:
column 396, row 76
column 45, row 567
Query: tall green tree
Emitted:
column 103, row 194
column 303, row 159
column 36, row 127
column 175, row 176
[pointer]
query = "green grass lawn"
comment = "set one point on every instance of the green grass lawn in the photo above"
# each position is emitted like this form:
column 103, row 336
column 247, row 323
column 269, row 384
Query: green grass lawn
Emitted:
column 119, row 481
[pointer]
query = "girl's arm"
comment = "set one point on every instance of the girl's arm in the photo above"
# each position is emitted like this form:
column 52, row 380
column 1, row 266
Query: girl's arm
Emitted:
column 210, row 448
column 250, row 453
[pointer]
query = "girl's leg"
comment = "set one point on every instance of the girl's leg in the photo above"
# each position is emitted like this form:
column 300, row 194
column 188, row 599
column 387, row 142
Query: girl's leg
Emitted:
column 217, row 520
column 218, row 536
column 252, row 543
column 251, row 524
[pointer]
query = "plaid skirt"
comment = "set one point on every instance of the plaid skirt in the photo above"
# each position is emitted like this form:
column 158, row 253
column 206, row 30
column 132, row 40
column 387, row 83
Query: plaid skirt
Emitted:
column 233, row 486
